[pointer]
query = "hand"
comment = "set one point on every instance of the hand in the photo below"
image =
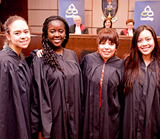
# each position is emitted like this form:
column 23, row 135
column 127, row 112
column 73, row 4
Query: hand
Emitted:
column 39, row 53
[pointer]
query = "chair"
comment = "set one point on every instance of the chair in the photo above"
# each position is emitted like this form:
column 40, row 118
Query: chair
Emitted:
column 85, row 52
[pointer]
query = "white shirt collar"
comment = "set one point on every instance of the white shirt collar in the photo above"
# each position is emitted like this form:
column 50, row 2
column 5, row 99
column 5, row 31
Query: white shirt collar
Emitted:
column 77, row 30
column 130, row 32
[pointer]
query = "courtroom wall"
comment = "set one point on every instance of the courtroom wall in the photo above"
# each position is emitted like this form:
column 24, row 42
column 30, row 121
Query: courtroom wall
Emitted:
column 38, row 10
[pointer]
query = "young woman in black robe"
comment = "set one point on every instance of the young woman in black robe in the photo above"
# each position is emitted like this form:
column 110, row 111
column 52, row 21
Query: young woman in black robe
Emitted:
column 142, row 86
column 15, row 81
column 56, row 111
column 103, row 79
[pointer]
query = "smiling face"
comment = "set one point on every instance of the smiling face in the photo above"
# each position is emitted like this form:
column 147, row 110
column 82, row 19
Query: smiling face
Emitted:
column 56, row 32
column 130, row 25
column 19, row 35
column 145, row 43
column 106, row 49
column 107, row 24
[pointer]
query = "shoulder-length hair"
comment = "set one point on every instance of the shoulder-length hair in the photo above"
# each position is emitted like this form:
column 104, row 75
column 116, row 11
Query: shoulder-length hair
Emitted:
column 105, row 20
column 133, row 58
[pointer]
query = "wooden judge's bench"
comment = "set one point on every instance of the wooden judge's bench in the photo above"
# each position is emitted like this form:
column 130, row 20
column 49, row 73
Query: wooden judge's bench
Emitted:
column 77, row 43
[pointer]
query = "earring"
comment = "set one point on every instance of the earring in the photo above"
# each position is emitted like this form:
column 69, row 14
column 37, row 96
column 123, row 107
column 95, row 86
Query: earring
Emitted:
column 65, row 37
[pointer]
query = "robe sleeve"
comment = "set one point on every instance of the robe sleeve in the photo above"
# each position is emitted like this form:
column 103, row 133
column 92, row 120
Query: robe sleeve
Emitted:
column 115, row 90
column 86, row 31
column 116, row 101
column 31, row 56
column 76, row 58
column 14, row 102
column 41, row 106
column 83, row 68
column 4, row 94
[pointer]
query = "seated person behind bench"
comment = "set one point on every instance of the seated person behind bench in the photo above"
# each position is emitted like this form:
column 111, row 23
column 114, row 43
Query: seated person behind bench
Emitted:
column 129, row 30
column 107, row 23
column 78, row 28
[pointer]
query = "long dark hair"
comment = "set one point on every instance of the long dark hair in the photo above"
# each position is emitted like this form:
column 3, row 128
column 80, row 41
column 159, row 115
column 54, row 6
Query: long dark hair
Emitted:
column 133, row 58
column 49, row 54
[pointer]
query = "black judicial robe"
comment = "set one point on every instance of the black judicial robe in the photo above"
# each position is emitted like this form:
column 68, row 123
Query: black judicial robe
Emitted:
column 14, row 97
column 142, row 107
column 104, row 123
column 56, row 111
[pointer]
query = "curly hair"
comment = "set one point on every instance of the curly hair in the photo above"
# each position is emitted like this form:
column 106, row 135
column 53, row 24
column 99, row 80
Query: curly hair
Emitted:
column 49, row 54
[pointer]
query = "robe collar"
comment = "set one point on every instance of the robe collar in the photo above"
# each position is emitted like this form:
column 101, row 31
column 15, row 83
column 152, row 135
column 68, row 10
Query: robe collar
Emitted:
column 7, row 47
